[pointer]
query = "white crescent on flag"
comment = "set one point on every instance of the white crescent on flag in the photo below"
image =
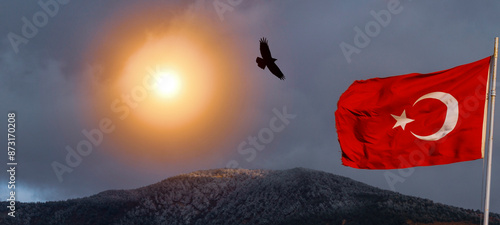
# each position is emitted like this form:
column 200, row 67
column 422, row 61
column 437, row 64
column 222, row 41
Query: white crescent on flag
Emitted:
column 451, row 115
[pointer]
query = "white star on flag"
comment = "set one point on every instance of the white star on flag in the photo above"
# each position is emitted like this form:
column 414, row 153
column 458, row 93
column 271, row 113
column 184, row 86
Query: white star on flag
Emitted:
column 401, row 120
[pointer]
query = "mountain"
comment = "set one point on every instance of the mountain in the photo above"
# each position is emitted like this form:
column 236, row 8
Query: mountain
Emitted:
column 240, row 196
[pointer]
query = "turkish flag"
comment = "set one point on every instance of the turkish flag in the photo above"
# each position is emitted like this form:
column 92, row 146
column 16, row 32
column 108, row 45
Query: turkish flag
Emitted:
column 414, row 119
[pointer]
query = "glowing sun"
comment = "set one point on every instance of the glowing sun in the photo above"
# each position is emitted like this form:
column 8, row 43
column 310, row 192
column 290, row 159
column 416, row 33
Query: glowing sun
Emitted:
column 168, row 84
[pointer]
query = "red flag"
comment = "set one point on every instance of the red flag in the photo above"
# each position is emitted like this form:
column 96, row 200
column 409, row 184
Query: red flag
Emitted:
column 414, row 119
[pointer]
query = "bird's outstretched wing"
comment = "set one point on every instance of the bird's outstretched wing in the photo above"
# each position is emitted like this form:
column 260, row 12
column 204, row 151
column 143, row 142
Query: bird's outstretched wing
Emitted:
column 275, row 70
column 264, row 49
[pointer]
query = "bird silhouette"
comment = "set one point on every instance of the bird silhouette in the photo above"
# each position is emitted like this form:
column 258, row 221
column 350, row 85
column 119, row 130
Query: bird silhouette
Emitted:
column 268, row 60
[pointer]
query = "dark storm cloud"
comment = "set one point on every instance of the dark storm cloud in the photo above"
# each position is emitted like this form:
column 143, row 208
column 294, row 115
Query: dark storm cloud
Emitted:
column 41, row 84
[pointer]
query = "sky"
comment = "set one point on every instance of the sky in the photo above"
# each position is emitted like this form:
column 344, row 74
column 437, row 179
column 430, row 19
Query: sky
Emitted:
column 74, row 74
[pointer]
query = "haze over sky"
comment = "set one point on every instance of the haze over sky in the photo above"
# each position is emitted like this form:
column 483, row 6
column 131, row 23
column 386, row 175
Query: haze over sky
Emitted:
column 64, row 77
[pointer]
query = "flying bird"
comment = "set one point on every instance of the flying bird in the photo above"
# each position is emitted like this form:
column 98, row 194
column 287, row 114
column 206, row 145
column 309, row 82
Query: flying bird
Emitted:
column 268, row 60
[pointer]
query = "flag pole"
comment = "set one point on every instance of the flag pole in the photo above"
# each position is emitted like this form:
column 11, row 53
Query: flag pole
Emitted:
column 490, row 141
